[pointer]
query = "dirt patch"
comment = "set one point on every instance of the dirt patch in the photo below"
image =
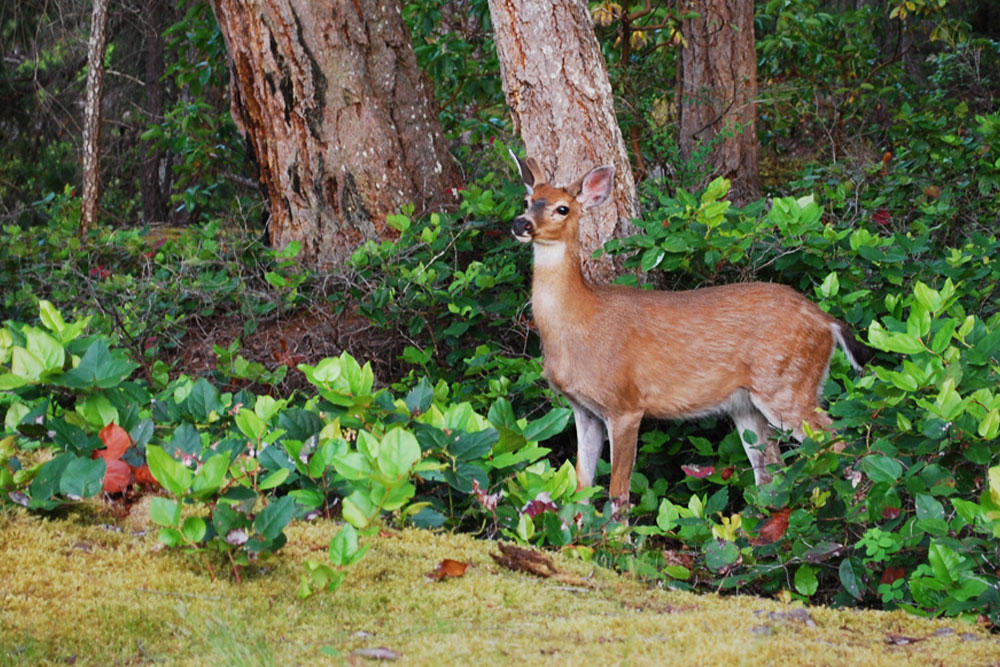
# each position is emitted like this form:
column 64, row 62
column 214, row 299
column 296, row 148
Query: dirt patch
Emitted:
column 303, row 336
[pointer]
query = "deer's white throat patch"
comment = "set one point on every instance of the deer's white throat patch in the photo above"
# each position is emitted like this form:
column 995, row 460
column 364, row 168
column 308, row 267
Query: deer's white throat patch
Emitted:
column 549, row 253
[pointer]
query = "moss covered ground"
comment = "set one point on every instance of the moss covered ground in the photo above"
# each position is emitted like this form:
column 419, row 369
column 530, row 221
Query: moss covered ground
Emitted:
column 83, row 589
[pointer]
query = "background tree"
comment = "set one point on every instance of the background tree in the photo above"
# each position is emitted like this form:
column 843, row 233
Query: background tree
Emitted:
column 154, row 175
column 717, row 91
column 339, row 117
column 557, row 88
column 92, row 116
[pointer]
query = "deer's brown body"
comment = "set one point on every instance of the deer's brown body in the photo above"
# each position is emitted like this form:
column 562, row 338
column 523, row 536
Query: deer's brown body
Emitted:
column 758, row 352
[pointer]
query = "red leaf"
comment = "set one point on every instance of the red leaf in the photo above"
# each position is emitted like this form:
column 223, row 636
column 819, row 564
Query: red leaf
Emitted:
column 698, row 471
column 541, row 503
column 117, row 476
column 727, row 472
column 775, row 527
column 881, row 217
column 890, row 512
column 448, row 568
column 144, row 476
column 116, row 441
column 891, row 574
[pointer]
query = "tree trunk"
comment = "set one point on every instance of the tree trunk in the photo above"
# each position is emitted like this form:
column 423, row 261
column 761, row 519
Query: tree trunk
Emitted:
column 717, row 90
column 339, row 117
column 154, row 175
column 557, row 87
column 92, row 117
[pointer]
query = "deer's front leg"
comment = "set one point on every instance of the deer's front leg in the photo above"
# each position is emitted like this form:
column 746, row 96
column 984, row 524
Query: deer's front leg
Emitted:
column 589, row 443
column 624, row 433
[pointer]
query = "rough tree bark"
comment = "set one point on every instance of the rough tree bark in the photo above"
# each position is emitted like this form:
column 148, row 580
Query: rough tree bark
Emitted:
column 717, row 91
column 154, row 176
column 557, row 87
column 92, row 117
column 339, row 117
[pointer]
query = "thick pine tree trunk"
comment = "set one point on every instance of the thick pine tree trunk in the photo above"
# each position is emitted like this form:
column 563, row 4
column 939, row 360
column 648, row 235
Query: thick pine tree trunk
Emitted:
column 339, row 116
column 717, row 90
column 91, row 195
column 557, row 87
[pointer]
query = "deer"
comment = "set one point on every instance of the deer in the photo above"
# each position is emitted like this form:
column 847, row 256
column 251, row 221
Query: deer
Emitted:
column 758, row 352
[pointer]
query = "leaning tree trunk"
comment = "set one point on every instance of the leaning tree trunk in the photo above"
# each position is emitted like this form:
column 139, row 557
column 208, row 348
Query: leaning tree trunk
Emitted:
column 717, row 90
column 557, row 87
column 90, row 198
column 339, row 117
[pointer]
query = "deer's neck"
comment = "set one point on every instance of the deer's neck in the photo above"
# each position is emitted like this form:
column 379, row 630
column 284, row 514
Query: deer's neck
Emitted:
column 560, row 296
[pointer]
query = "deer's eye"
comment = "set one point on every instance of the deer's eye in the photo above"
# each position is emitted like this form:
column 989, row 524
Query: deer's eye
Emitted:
column 562, row 210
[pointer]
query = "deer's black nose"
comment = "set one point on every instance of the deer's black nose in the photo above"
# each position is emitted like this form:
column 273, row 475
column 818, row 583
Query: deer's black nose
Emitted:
column 522, row 227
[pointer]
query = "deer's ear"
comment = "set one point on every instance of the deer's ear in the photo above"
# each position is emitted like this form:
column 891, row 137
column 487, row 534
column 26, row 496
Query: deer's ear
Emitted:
column 595, row 186
column 532, row 175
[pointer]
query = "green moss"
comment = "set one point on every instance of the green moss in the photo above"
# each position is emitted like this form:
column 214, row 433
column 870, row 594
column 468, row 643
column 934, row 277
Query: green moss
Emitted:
column 77, row 587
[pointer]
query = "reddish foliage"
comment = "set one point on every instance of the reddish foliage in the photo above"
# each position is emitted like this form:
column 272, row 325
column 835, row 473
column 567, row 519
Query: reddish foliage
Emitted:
column 541, row 503
column 115, row 440
column 698, row 471
column 727, row 472
column 890, row 512
column 881, row 217
column 891, row 574
column 144, row 476
column 117, row 476
column 448, row 568
column 775, row 527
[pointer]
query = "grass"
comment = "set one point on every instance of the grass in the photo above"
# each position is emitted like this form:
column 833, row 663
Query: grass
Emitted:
column 83, row 589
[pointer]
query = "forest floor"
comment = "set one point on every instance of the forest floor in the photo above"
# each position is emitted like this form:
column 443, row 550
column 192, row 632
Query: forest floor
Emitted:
column 85, row 587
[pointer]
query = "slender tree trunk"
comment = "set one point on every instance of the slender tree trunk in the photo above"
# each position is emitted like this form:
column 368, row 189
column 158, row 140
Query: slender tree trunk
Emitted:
column 153, row 177
column 717, row 90
column 557, row 87
column 92, row 117
column 339, row 117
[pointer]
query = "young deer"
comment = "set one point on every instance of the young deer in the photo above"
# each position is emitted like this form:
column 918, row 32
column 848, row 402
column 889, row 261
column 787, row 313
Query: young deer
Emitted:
column 758, row 352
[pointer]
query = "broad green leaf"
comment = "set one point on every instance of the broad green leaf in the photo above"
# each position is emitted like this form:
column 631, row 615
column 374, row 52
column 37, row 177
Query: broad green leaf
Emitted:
column 852, row 578
column 944, row 562
column 805, row 580
column 989, row 424
column 172, row 475
column 344, row 545
column 83, row 478
column 398, row 452
column 45, row 348
column 26, row 365
column 194, row 528
column 549, row 425
column 720, row 554
column 250, row 424
column 210, row 476
column 164, row 511
column 275, row 479
column 881, row 468
column 273, row 518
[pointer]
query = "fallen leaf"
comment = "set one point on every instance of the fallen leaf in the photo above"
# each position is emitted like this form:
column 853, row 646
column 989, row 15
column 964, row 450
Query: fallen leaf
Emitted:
column 698, row 472
column 775, row 527
column 117, row 476
column 891, row 574
column 673, row 557
column 900, row 640
column 448, row 568
column 890, row 512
